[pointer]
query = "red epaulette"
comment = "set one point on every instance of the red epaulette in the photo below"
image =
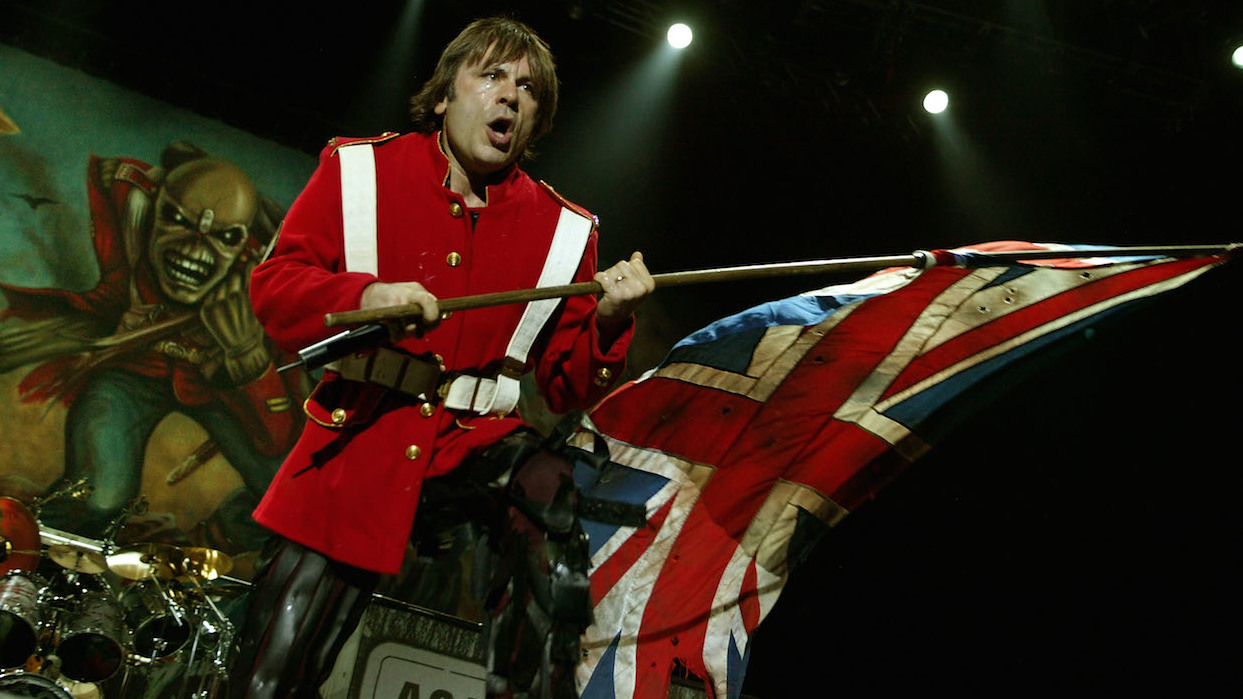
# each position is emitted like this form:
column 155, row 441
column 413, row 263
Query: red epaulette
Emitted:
column 569, row 204
column 337, row 142
column 131, row 173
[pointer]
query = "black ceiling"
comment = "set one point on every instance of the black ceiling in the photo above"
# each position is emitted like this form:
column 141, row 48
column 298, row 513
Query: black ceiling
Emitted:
column 1095, row 120
column 264, row 65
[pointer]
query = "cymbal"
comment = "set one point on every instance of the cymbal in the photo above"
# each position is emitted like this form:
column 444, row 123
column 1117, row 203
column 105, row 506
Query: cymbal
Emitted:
column 77, row 559
column 205, row 564
column 224, row 590
column 145, row 561
column 19, row 537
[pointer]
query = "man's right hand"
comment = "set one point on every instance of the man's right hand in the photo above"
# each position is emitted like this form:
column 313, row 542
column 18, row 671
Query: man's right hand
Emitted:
column 383, row 295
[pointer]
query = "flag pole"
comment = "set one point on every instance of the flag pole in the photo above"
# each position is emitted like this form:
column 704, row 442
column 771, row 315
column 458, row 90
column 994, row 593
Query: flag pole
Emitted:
column 369, row 330
column 919, row 258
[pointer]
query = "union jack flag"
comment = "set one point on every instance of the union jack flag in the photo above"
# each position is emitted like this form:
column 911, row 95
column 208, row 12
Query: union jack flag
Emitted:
column 783, row 419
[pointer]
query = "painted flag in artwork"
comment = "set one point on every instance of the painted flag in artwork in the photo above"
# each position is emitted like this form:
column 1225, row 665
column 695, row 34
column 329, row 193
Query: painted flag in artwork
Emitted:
column 776, row 423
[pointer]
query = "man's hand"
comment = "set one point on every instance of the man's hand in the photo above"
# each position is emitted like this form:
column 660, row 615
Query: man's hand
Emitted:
column 383, row 295
column 626, row 284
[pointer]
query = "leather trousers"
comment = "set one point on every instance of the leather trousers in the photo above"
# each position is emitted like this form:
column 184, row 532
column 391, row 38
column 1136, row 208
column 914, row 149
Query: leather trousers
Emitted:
column 304, row 606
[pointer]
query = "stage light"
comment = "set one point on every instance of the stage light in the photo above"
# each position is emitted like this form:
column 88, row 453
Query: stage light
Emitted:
column 679, row 36
column 1237, row 57
column 936, row 101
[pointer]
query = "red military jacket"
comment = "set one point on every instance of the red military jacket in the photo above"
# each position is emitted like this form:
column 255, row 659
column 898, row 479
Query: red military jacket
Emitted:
column 350, row 487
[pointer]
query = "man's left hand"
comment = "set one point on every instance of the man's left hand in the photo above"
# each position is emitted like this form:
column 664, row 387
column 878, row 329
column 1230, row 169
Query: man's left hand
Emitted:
column 626, row 284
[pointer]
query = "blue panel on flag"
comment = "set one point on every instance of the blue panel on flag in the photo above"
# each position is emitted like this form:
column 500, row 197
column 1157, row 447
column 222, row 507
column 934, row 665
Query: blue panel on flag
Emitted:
column 614, row 483
column 736, row 667
column 730, row 352
column 1009, row 275
column 601, row 684
column 797, row 310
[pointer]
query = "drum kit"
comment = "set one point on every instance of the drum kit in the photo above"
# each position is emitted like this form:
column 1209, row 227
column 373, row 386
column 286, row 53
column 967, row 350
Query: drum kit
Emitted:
column 87, row 619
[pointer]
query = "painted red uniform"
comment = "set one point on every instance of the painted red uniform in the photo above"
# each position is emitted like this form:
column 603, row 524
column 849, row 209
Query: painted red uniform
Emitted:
column 350, row 487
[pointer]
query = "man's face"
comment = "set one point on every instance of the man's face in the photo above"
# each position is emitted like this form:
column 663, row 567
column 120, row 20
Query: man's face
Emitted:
column 490, row 116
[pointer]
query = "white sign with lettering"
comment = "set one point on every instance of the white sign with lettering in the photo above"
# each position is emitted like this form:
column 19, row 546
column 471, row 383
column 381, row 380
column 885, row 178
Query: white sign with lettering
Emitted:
column 396, row 671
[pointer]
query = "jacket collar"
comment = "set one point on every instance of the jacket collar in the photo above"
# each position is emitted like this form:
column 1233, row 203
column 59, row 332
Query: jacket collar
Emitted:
column 494, row 194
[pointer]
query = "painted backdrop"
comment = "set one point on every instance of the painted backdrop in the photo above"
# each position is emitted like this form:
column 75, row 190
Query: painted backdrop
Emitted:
column 129, row 356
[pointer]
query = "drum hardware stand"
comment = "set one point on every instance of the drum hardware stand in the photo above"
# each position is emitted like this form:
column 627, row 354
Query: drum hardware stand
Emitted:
column 194, row 649
column 77, row 490
column 173, row 607
column 137, row 507
column 132, row 661
column 6, row 550
column 220, row 655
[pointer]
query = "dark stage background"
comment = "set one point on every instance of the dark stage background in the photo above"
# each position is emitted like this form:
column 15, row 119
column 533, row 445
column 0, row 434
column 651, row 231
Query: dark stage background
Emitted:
column 1082, row 533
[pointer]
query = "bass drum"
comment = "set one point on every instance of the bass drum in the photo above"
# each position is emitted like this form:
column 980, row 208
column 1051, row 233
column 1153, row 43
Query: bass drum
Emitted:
column 20, row 618
column 33, row 686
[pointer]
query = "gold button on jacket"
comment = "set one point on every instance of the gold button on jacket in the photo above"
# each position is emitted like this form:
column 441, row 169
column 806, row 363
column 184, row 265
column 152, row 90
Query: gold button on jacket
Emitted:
column 413, row 451
column 454, row 259
column 455, row 210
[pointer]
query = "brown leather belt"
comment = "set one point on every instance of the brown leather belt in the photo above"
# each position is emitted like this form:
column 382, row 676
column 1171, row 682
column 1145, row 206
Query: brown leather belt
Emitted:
column 416, row 376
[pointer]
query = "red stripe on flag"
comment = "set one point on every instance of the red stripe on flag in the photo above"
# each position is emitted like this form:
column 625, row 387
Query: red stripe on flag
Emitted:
column 1020, row 321
column 675, row 621
column 692, row 421
column 794, row 435
column 615, row 566
column 749, row 599
column 869, row 478
column 836, row 463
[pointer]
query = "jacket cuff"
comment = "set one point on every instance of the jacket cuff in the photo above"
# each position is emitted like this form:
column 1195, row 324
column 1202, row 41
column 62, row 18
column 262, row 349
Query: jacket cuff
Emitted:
column 609, row 365
column 621, row 344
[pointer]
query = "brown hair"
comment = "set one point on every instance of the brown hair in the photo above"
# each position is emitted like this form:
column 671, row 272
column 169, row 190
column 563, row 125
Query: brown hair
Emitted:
column 498, row 39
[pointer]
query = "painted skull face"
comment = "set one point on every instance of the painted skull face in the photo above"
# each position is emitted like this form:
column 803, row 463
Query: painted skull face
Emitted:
column 202, row 220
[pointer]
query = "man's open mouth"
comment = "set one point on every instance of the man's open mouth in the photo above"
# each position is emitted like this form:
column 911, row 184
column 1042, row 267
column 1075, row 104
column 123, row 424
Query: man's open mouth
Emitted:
column 499, row 132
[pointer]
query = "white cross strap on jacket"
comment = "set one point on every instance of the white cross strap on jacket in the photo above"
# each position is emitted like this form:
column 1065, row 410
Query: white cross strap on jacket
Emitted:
column 483, row 395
